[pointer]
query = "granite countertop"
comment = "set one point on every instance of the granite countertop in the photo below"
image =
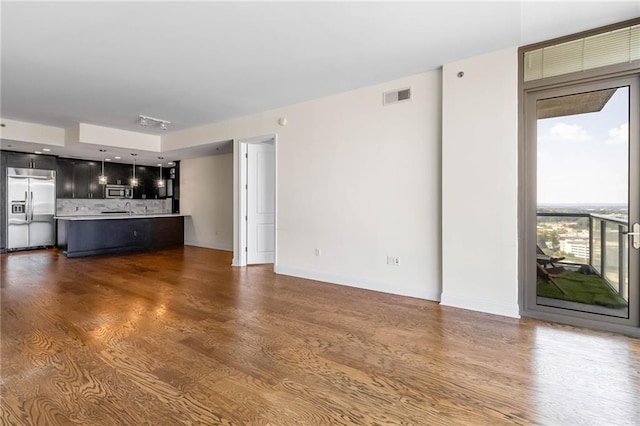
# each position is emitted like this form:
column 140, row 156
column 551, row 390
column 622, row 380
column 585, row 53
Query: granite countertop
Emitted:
column 106, row 216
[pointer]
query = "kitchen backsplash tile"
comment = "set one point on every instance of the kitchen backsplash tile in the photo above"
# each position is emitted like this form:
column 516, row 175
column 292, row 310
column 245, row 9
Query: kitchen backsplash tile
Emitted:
column 84, row 207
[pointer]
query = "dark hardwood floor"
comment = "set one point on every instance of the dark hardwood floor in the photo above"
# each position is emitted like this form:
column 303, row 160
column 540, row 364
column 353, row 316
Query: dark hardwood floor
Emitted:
column 180, row 337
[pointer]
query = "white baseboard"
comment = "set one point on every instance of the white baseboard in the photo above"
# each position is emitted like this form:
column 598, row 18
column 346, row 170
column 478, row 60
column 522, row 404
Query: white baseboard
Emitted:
column 217, row 246
column 480, row 305
column 384, row 287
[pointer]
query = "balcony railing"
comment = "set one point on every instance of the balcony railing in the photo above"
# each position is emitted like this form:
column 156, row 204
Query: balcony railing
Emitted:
column 607, row 245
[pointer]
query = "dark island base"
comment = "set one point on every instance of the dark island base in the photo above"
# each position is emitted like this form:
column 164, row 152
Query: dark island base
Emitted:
column 77, row 238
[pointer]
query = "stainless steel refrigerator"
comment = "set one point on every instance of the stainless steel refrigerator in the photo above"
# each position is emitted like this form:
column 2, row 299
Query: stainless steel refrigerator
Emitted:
column 31, row 200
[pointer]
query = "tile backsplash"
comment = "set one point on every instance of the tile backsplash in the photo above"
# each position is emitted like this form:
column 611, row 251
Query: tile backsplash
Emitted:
column 84, row 207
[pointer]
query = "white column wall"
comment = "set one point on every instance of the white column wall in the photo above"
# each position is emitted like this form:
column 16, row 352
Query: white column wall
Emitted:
column 479, row 183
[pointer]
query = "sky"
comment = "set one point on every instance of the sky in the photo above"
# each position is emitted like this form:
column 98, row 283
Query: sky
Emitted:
column 583, row 158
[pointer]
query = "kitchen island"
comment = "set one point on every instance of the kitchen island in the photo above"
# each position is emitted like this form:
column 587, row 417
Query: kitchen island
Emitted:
column 118, row 233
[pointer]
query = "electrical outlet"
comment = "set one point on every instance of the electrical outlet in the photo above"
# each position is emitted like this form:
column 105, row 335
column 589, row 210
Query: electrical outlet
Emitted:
column 318, row 252
column 393, row 260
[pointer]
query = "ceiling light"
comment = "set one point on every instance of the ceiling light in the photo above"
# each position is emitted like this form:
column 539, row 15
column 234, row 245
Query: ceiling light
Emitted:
column 171, row 163
column 145, row 119
column 38, row 152
column 107, row 159
column 116, row 157
column 46, row 149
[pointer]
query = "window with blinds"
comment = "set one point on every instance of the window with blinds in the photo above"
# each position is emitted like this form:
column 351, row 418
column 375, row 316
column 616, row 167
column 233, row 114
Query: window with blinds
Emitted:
column 610, row 48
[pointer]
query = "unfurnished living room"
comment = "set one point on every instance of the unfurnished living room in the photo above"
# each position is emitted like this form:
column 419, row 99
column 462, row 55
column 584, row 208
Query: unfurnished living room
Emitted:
column 320, row 213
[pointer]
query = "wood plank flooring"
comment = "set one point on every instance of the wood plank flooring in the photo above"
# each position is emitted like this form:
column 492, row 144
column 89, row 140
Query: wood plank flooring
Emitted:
column 180, row 337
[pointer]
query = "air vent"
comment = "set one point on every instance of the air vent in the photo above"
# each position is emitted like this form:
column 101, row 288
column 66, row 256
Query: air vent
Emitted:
column 396, row 96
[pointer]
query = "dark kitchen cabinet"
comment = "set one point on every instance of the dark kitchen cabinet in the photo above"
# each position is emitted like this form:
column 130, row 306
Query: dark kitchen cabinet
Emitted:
column 173, row 182
column 78, row 179
column 118, row 173
column 82, row 173
column 77, row 238
column 64, row 178
column 143, row 189
column 81, row 180
column 147, row 188
column 94, row 188
column 30, row 161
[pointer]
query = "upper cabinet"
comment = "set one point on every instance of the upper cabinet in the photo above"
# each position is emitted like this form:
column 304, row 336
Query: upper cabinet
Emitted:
column 30, row 161
column 147, row 188
column 86, row 175
column 64, row 178
column 78, row 179
column 118, row 173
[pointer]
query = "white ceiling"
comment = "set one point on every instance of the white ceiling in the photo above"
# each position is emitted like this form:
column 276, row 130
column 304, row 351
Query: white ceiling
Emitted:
column 195, row 63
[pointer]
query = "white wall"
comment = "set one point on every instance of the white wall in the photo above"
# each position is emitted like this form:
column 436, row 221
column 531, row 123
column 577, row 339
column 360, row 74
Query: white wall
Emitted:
column 358, row 180
column 479, row 183
column 206, row 193
column 100, row 135
column 32, row 133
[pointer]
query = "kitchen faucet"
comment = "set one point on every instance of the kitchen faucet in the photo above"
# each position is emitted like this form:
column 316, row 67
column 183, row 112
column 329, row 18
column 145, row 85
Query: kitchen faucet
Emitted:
column 127, row 206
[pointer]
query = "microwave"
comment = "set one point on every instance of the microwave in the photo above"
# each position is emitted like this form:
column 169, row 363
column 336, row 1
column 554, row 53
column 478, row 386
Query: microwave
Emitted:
column 118, row 191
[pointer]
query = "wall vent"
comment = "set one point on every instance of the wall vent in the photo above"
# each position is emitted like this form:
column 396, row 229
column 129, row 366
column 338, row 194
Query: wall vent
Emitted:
column 395, row 96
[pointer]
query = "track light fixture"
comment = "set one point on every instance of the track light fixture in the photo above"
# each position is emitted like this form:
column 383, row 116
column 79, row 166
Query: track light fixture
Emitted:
column 144, row 121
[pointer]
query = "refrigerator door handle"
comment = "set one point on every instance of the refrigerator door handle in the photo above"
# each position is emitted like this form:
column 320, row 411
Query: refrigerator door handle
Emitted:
column 26, row 208
column 31, row 207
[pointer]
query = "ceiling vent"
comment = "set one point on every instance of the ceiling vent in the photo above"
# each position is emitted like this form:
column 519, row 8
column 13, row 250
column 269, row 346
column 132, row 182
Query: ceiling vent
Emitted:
column 395, row 96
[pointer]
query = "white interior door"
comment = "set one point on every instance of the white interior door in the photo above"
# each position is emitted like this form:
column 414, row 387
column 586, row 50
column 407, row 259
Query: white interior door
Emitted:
column 260, row 203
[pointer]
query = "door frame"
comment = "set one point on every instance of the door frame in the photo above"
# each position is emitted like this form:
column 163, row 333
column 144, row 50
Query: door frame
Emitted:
column 240, row 196
column 527, row 197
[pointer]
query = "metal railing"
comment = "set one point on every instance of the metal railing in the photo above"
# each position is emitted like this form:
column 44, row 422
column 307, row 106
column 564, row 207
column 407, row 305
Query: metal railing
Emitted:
column 607, row 248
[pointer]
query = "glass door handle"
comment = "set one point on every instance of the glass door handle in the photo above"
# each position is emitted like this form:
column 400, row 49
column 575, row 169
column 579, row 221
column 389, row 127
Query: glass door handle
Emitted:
column 635, row 235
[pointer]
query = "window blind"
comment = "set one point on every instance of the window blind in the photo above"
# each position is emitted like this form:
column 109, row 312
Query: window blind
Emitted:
column 600, row 50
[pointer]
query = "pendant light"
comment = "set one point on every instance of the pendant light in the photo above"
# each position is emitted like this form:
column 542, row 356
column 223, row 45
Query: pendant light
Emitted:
column 160, row 181
column 134, row 181
column 102, row 179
